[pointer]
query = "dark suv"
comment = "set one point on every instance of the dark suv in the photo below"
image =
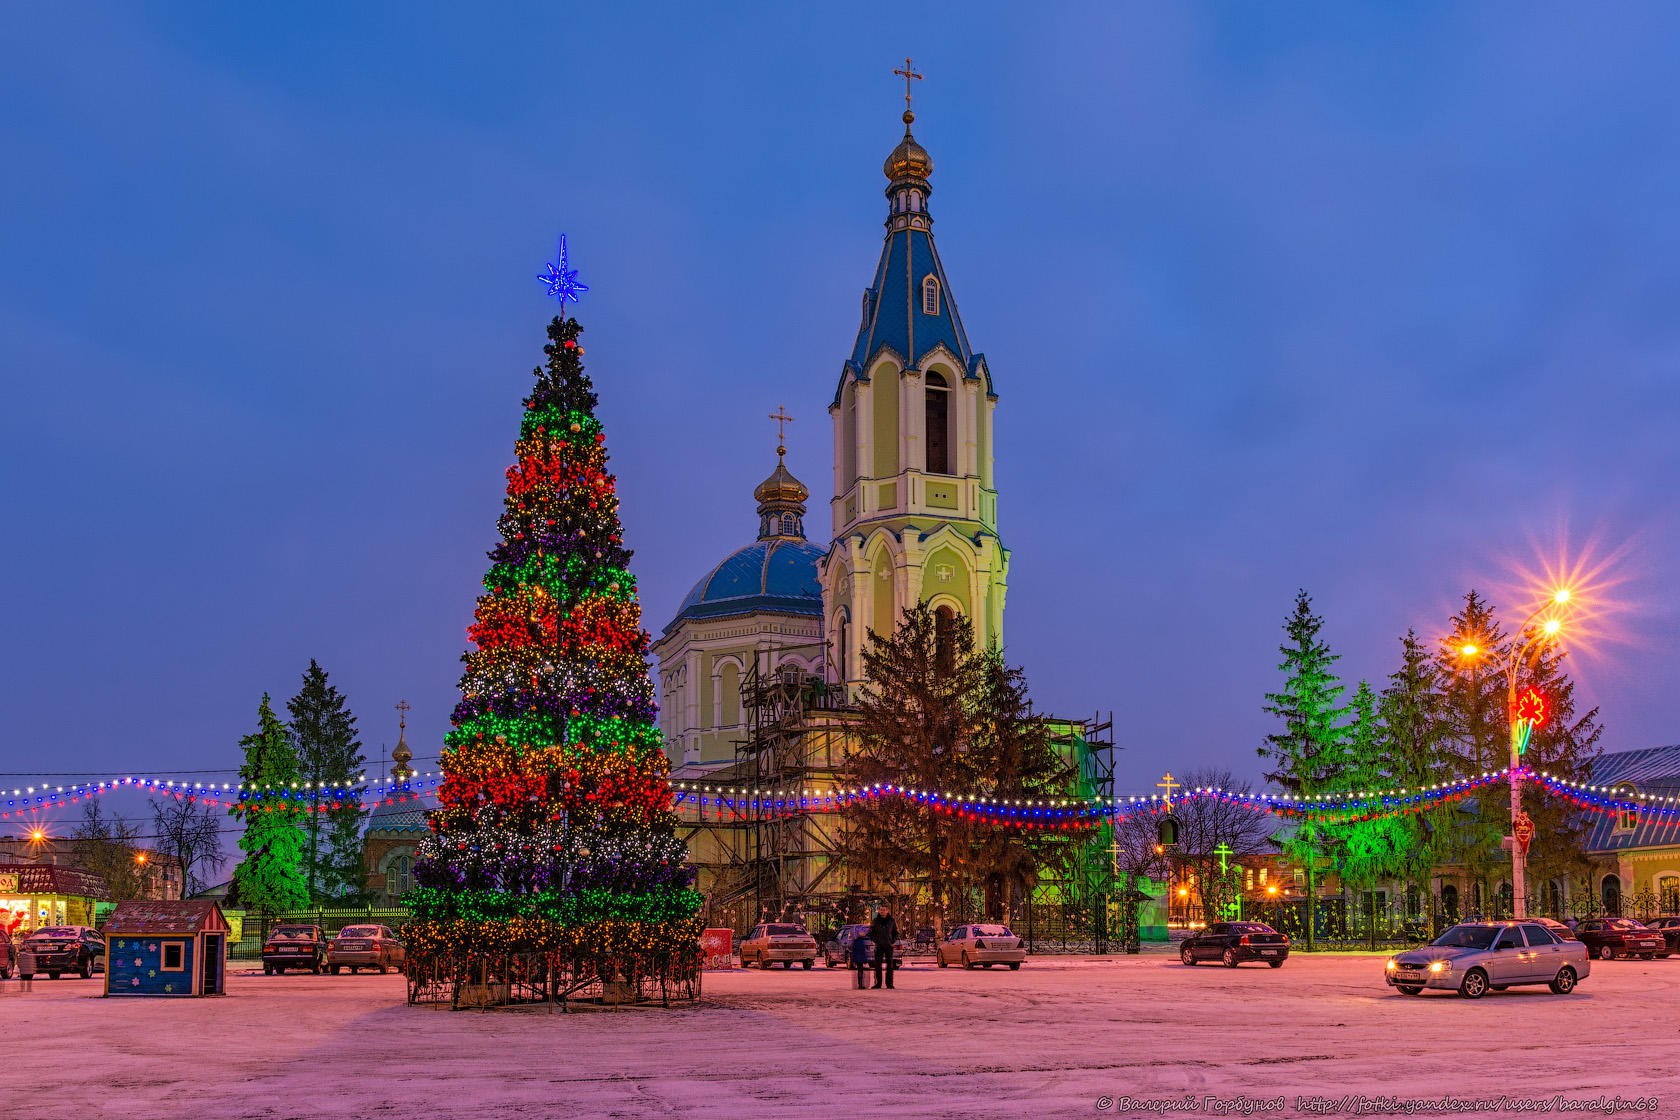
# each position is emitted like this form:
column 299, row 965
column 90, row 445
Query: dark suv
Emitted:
column 294, row 947
column 60, row 949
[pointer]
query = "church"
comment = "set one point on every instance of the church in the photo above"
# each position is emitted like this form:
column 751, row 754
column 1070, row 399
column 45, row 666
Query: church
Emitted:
column 758, row 666
column 913, row 516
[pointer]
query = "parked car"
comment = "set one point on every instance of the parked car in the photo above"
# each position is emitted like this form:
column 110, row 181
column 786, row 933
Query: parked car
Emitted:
column 983, row 944
column 1670, row 929
column 1235, row 942
column 1559, row 929
column 359, row 947
column 779, row 941
column 838, row 952
column 1609, row 938
column 56, row 950
column 1473, row 958
column 294, row 947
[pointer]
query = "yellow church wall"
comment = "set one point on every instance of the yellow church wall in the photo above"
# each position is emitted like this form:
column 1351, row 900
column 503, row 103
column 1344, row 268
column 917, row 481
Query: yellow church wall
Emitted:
column 934, row 588
column 884, row 383
column 882, row 618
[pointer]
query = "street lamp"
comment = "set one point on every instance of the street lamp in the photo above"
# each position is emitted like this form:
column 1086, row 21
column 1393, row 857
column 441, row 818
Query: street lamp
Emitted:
column 1524, row 713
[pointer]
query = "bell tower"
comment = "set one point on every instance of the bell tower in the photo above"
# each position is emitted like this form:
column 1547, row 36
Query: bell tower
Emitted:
column 915, row 499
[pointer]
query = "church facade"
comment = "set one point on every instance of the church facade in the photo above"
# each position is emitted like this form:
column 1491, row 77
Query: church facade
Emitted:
column 913, row 517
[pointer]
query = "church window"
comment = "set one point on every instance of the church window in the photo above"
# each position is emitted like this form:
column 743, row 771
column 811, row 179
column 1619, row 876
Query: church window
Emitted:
column 790, row 525
column 938, row 425
column 1627, row 819
column 396, row 881
column 944, row 639
column 930, row 295
column 840, row 672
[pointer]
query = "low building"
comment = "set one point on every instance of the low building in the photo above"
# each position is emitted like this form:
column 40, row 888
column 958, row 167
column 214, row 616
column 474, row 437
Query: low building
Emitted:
column 35, row 895
column 166, row 949
column 1637, row 852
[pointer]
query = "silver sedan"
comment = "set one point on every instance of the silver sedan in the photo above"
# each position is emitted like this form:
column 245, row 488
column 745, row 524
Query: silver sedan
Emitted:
column 1473, row 958
column 983, row 945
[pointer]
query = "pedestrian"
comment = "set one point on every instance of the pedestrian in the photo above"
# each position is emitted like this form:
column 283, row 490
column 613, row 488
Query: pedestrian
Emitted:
column 860, row 958
column 883, row 931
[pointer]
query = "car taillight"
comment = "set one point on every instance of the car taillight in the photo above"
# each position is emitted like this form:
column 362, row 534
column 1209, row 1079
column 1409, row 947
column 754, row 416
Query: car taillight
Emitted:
column 1243, row 940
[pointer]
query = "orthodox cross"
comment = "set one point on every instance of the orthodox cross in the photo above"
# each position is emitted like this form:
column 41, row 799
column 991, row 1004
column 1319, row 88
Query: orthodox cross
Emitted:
column 403, row 708
column 1222, row 851
column 908, row 74
column 782, row 419
column 944, row 571
column 1169, row 785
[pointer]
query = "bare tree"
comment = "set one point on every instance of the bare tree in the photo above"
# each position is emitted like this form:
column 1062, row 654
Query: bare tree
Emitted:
column 1137, row 857
column 1215, row 833
column 192, row 834
column 109, row 849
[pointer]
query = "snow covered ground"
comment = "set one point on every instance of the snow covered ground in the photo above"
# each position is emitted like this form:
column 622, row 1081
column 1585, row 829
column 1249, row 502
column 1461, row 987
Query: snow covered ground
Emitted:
column 1049, row 1040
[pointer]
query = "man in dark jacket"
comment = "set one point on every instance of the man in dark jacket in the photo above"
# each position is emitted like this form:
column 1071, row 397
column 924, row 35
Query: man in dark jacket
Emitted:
column 884, row 932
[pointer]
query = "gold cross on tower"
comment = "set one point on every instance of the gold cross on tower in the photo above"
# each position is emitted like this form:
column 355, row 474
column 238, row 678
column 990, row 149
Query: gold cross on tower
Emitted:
column 403, row 708
column 782, row 419
column 908, row 74
column 1167, row 783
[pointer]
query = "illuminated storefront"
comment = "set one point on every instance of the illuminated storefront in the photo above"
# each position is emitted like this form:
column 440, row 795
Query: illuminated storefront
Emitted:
column 33, row 895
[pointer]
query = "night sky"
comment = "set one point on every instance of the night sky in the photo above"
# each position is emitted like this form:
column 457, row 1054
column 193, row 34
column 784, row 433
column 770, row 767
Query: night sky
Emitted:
column 1375, row 300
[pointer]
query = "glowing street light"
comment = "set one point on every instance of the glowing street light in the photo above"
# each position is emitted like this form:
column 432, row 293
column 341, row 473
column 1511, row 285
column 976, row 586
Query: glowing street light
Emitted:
column 1525, row 714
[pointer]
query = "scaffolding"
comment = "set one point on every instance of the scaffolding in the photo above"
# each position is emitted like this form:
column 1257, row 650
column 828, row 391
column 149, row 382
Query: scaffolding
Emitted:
column 780, row 859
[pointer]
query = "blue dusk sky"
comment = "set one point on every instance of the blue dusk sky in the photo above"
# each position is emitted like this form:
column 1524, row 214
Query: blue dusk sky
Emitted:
column 1382, row 301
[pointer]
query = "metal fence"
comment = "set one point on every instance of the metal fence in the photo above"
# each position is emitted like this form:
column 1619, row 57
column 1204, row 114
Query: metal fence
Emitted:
column 1371, row 920
column 330, row 919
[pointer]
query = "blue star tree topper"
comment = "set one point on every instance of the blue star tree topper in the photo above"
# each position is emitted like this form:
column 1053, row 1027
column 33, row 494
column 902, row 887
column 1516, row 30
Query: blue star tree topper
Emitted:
column 562, row 283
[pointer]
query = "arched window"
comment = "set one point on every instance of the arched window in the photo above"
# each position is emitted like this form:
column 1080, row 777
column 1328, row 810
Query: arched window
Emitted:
column 396, row 877
column 790, row 525
column 1668, row 894
column 945, row 639
column 938, row 425
column 1449, row 902
column 840, row 669
column 930, row 295
column 1610, row 891
column 1626, row 819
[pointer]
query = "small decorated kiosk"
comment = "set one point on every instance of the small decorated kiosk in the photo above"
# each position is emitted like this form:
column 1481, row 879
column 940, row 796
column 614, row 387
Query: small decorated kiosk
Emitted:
column 166, row 948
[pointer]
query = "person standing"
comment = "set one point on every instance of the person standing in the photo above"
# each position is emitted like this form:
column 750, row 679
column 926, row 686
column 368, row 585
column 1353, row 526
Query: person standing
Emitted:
column 860, row 958
column 883, row 931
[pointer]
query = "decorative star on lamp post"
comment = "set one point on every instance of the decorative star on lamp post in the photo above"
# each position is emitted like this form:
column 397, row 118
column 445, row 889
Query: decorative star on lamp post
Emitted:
column 562, row 282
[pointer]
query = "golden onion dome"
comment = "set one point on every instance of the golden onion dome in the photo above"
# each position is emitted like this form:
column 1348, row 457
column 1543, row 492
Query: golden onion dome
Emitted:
column 909, row 160
column 781, row 488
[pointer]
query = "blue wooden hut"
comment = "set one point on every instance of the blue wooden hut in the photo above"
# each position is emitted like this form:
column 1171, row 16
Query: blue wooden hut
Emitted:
column 166, row 948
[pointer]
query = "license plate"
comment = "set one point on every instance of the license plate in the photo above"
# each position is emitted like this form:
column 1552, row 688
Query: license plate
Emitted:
column 1268, row 952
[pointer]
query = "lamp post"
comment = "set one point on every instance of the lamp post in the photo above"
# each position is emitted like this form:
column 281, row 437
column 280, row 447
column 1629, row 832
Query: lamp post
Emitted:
column 1524, row 713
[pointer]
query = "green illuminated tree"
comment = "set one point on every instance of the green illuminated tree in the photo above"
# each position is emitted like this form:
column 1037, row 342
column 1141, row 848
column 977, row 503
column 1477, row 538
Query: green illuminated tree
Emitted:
column 1379, row 849
column 271, row 878
column 1413, row 740
column 1307, row 754
column 329, row 753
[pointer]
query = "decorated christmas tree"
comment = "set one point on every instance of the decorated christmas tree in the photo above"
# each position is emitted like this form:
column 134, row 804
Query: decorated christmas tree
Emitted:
column 555, row 834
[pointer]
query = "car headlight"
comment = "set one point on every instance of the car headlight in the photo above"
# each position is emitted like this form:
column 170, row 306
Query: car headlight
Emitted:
column 1439, row 966
column 1393, row 964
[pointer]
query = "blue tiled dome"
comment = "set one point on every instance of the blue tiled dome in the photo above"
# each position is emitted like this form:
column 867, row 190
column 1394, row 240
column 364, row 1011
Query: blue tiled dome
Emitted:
column 768, row 575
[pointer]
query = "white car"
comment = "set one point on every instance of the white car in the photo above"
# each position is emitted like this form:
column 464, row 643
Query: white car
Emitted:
column 983, row 944
column 778, row 941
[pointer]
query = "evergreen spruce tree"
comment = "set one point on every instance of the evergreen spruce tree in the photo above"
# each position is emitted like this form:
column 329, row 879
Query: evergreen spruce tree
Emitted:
column 1307, row 754
column 271, row 878
column 330, row 757
column 915, row 720
column 556, row 832
column 1471, row 670
column 1014, row 757
column 1383, row 846
column 1413, row 735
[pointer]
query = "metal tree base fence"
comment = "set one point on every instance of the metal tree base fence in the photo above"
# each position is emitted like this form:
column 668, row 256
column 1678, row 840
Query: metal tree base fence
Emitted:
column 474, row 981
